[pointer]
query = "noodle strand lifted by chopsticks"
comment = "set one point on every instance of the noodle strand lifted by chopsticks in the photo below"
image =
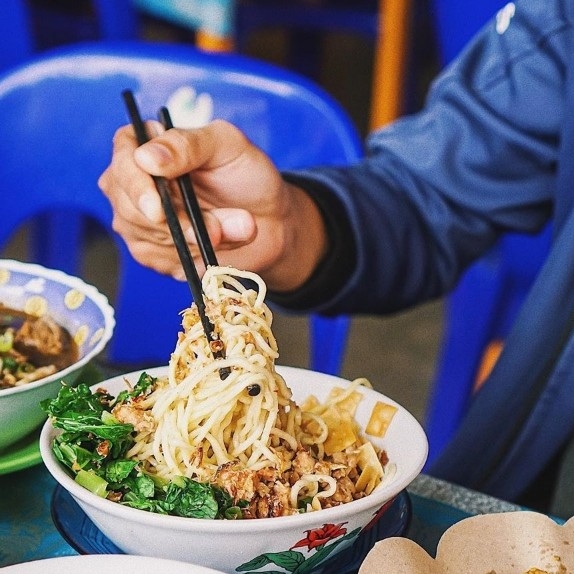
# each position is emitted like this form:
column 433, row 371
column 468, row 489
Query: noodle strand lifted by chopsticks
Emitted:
column 214, row 421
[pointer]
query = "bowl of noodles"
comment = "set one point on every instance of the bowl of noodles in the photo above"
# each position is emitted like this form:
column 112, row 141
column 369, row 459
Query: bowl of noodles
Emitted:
column 51, row 326
column 233, row 463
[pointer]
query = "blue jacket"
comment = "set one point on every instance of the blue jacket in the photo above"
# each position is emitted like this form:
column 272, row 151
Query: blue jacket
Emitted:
column 492, row 151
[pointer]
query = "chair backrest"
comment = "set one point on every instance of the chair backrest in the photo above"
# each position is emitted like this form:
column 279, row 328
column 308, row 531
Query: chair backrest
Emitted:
column 58, row 114
column 28, row 27
column 17, row 40
column 456, row 21
column 481, row 310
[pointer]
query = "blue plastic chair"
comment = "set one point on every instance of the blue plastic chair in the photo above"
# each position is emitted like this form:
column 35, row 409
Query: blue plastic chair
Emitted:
column 457, row 21
column 58, row 114
column 480, row 312
column 27, row 28
column 238, row 19
column 17, row 40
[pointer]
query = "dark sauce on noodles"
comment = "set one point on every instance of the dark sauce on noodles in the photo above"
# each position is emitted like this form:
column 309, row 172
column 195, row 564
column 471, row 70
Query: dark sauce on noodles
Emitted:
column 32, row 347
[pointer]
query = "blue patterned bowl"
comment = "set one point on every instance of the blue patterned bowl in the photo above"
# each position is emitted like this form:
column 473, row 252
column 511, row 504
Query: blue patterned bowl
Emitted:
column 78, row 307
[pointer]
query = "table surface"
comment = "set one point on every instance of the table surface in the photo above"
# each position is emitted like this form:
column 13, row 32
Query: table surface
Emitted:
column 28, row 533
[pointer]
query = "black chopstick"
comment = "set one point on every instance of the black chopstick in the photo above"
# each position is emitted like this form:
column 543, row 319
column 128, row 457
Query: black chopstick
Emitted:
column 192, row 205
column 176, row 231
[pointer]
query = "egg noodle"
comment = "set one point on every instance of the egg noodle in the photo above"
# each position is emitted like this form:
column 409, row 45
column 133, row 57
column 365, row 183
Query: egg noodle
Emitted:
column 245, row 426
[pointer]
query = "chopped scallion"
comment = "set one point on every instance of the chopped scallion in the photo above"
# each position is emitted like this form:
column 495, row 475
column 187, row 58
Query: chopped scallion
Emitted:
column 92, row 482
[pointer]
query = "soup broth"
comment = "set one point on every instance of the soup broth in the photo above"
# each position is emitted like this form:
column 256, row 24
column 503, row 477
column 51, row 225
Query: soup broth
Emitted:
column 32, row 347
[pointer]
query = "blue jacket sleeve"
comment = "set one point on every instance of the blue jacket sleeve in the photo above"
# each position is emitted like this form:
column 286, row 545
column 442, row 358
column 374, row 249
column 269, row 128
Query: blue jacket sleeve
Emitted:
column 437, row 188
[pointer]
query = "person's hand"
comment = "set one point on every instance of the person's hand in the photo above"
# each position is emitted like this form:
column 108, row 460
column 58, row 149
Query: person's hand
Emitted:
column 255, row 219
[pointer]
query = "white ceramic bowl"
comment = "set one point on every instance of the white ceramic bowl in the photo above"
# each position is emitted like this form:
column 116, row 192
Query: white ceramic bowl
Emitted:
column 78, row 307
column 106, row 564
column 230, row 545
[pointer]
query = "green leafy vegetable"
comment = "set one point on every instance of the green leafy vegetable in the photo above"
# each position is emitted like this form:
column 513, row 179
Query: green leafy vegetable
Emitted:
column 9, row 364
column 93, row 445
column 143, row 387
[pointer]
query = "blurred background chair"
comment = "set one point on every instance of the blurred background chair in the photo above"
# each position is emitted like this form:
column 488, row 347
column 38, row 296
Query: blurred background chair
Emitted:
column 58, row 114
column 30, row 26
column 211, row 22
column 17, row 41
column 226, row 25
column 481, row 310
column 385, row 23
